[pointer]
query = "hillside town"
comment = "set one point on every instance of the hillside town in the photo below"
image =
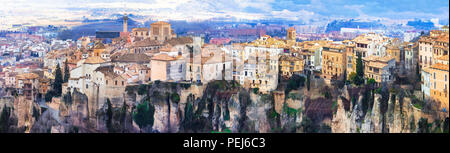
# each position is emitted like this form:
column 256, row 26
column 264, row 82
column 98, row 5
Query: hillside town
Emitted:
column 46, row 85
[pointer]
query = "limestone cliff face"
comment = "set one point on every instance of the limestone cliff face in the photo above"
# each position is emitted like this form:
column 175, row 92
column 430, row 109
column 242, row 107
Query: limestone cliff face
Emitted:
column 26, row 110
column 400, row 115
column 223, row 106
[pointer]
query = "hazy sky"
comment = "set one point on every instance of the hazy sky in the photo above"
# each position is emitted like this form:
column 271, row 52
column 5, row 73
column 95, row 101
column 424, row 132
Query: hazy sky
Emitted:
column 24, row 10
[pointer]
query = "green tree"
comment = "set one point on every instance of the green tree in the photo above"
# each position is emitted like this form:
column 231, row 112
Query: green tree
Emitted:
column 66, row 72
column 308, row 81
column 359, row 70
column 175, row 97
column 446, row 124
column 142, row 89
column 57, row 85
column 4, row 119
column 109, row 115
column 371, row 81
column 144, row 115
column 294, row 83
column 49, row 95
column 353, row 78
column 423, row 126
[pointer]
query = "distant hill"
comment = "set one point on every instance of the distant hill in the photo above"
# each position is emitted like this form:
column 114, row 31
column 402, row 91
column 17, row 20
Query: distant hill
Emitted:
column 336, row 25
column 91, row 26
column 421, row 25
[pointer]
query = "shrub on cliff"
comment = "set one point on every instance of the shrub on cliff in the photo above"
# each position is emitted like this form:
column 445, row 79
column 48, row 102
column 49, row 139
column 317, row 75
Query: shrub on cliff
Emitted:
column 175, row 97
column 4, row 119
column 109, row 116
column 49, row 95
column 446, row 124
column 144, row 115
column 142, row 89
column 295, row 82
column 423, row 126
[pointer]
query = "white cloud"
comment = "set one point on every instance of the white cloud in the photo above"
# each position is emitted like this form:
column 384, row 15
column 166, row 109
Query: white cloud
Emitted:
column 297, row 15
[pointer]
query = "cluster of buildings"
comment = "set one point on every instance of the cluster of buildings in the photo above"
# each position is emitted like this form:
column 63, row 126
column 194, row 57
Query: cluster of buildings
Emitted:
column 433, row 60
column 104, row 70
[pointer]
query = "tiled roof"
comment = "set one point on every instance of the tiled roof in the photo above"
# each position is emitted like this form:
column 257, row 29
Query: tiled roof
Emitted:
column 140, row 29
column 130, row 57
column 146, row 42
column 108, row 71
column 179, row 41
column 289, row 58
column 163, row 57
column 377, row 58
column 94, row 60
column 440, row 66
column 217, row 59
column 99, row 45
column 159, row 23
column 27, row 76
column 444, row 58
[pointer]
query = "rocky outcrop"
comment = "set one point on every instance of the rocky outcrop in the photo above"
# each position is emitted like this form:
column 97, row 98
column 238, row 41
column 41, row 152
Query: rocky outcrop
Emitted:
column 399, row 117
column 27, row 112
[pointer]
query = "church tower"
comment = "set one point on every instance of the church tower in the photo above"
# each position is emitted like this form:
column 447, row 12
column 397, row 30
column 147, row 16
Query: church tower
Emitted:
column 291, row 34
column 125, row 23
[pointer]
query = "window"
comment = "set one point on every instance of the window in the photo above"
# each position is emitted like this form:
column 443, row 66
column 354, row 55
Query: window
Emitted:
column 106, row 82
column 116, row 82
column 87, row 86
column 123, row 83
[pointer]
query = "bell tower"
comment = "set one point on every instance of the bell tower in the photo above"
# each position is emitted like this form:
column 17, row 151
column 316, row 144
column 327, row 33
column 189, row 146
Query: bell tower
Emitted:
column 125, row 23
column 291, row 34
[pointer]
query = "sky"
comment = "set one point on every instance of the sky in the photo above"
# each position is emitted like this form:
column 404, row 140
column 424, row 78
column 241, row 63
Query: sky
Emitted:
column 35, row 11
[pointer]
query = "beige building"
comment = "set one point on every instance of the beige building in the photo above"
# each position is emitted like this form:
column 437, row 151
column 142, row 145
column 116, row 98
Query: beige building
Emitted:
column 370, row 44
column 425, row 52
column 217, row 67
column 167, row 68
column 140, row 33
column 439, row 90
column 161, row 31
column 108, row 85
column 290, row 65
column 334, row 62
column 381, row 69
column 145, row 46
column 27, row 84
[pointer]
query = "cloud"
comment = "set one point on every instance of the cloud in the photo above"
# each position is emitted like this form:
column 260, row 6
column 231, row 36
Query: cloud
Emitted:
column 17, row 11
column 291, row 15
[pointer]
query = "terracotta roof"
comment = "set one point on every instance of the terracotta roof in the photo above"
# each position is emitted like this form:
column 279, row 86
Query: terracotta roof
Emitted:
column 159, row 23
column 217, row 59
column 380, row 59
column 440, row 66
column 94, row 60
column 444, row 58
column 444, row 38
column 167, row 49
column 289, row 58
column 140, row 29
column 163, row 57
column 27, row 76
column 99, row 45
column 179, row 41
column 130, row 57
column 108, row 71
column 146, row 42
